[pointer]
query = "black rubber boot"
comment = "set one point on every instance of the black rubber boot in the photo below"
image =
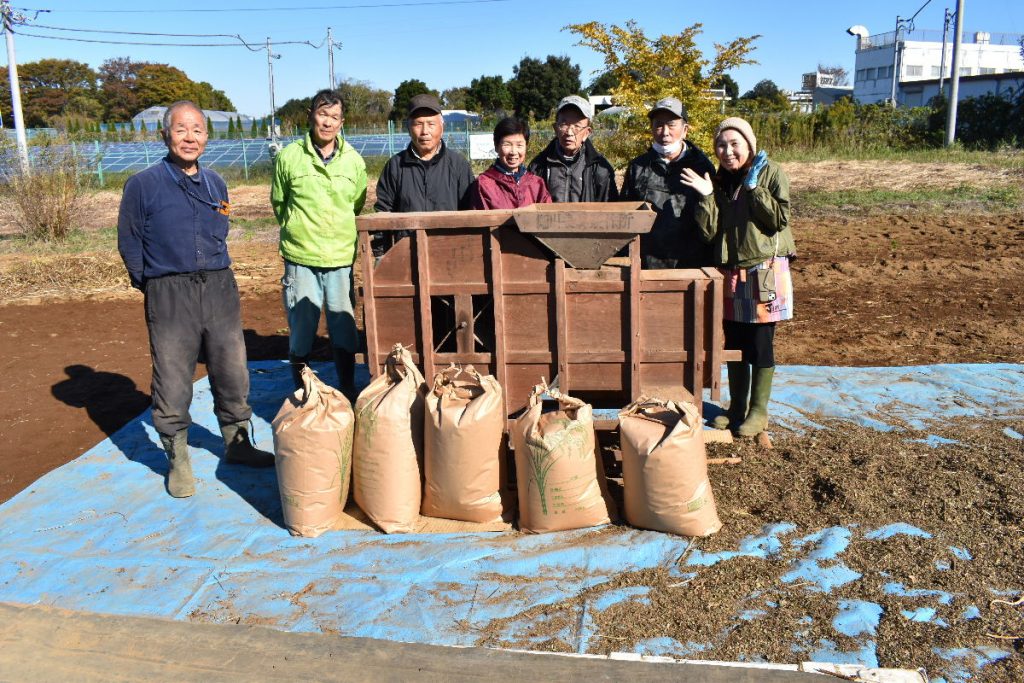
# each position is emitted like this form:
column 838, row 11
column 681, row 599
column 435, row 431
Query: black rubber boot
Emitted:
column 238, row 447
column 345, row 366
column 180, row 482
column 760, row 392
column 739, row 391
column 297, row 363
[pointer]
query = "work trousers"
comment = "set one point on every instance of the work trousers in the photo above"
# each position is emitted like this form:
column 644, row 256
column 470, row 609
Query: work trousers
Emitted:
column 755, row 340
column 187, row 314
column 306, row 291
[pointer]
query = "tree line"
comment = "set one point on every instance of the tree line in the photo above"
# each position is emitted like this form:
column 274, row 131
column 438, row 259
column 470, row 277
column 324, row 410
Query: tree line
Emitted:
column 66, row 94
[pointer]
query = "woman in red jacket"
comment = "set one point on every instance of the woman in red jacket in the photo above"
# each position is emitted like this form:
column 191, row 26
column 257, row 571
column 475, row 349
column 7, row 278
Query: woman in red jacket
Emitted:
column 507, row 184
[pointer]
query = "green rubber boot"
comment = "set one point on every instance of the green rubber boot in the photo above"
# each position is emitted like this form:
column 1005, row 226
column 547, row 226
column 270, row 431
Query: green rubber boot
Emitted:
column 180, row 482
column 760, row 392
column 739, row 390
column 238, row 448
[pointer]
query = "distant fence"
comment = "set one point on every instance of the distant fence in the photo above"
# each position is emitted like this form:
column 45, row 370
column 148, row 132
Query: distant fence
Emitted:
column 102, row 158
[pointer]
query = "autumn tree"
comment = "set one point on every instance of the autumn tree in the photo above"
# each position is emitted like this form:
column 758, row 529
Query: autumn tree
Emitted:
column 536, row 86
column 649, row 69
column 118, row 88
column 603, row 83
column 295, row 113
column 454, row 98
column 726, row 83
column 364, row 103
column 765, row 96
column 404, row 93
column 54, row 89
column 489, row 95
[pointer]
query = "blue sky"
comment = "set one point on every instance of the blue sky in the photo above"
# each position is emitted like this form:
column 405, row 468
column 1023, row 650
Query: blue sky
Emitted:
column 448, row 45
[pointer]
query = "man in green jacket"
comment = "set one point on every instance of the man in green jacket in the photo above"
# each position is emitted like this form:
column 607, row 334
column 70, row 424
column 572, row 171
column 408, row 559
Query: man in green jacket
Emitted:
column 318, row 188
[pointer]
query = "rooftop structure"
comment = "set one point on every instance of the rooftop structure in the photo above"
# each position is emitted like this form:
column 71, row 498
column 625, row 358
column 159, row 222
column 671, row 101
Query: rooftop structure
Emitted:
column 920, row 55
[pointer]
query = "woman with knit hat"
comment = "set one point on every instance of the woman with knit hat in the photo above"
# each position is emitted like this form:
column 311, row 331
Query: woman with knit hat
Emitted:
column 744, row 215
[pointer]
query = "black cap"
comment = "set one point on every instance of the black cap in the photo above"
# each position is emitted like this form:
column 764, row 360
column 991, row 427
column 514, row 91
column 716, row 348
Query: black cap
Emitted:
column 424, row 101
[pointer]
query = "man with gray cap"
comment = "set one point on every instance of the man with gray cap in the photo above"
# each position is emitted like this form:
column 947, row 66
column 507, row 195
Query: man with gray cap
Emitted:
column 425, row 176
column 572, row 168
column 655, row 176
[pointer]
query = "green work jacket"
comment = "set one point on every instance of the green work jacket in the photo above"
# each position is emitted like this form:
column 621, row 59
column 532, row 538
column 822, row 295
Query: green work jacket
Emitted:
column 316, row 204
column 752, row 227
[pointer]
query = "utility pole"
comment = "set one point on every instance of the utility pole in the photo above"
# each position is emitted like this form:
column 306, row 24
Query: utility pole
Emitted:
column 945, row 34
column 12, row 75
column 273, row 108
column 954, row 77
column 330, row 57
column 895, row 59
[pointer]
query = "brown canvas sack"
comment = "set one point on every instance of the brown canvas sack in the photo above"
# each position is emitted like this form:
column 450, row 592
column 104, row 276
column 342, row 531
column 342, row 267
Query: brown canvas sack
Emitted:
column 560, row 477
column 313, row 454
column 664, row 468
column 465, row 421
column 389, row 445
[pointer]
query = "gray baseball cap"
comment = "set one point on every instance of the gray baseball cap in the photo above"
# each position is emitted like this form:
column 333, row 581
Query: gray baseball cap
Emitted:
column 671, row 105
column 580, row 103
column 425, row 101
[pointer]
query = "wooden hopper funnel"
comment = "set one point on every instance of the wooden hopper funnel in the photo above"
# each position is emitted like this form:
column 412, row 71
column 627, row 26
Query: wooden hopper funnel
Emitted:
column 585, row 234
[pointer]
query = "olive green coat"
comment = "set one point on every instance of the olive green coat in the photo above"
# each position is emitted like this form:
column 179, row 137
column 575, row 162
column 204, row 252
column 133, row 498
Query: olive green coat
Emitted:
column 751, row 228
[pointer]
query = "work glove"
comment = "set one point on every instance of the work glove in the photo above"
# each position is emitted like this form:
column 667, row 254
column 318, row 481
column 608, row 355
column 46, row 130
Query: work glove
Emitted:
column 760, row 161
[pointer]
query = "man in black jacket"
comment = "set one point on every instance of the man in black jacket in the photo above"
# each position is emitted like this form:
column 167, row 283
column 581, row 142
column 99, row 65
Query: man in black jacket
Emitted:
column 654, row 176
column 572, row 168
column 425, row 176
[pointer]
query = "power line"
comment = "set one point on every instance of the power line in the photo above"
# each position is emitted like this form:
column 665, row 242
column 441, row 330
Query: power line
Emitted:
column 127, row 42
column 312, row 8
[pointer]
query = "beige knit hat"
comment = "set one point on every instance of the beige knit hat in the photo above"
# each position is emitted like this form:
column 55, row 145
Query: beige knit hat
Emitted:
column 740, row 126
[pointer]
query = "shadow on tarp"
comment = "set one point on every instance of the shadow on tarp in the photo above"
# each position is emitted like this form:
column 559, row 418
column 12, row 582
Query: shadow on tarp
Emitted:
column 121, row 545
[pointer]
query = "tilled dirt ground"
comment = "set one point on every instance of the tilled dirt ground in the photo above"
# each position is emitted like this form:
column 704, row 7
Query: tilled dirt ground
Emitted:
column 898, row 286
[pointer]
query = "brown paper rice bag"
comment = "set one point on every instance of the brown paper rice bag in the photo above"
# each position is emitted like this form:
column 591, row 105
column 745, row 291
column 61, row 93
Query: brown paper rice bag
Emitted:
column 664, row 468
column 313, row 456
column 389, row 445
column 465, row 421
column 560, row 476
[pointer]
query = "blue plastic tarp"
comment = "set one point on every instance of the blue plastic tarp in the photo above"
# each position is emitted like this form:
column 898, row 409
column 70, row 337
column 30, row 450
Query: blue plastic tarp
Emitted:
column 100, row 534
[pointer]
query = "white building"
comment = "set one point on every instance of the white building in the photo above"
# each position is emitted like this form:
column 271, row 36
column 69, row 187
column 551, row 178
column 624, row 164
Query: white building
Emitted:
column 918, row 56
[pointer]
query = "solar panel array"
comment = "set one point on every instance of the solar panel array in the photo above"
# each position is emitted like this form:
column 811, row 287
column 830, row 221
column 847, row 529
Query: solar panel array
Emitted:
column 135, row 156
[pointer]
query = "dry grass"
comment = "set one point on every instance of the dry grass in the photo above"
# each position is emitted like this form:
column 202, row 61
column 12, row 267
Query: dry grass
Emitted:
column 68, row 275
column 831, row 176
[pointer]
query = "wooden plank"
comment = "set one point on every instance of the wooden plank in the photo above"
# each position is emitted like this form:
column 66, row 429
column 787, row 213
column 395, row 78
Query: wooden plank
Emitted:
column 581, row 357
column 672, row 274
column 697, row 352
column 464, row 330
column 594, row 286
column 665, row 285
column 458, row 257
column 543, row 287
column 647, row 357
column 477, row 359
column 423, row 284
column 561, row 327
column 528, row 357
column 635, row 331
column 715, row 291
column 433, row 220
column 441, row 289
column 498, row 292
column 391, row 291
column 369, row 307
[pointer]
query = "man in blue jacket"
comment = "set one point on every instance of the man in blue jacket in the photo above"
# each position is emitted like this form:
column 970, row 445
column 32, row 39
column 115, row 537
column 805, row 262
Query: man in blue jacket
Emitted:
column 172, row 234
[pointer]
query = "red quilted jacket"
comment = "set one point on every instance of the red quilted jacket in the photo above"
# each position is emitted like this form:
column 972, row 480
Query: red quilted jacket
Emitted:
column 496, row 190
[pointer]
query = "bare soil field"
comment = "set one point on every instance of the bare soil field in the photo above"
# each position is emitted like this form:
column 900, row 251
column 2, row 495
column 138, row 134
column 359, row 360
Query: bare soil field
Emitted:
column 888, row 284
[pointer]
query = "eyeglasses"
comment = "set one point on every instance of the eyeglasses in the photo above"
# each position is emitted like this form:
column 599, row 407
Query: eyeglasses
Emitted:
column 574, row 129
